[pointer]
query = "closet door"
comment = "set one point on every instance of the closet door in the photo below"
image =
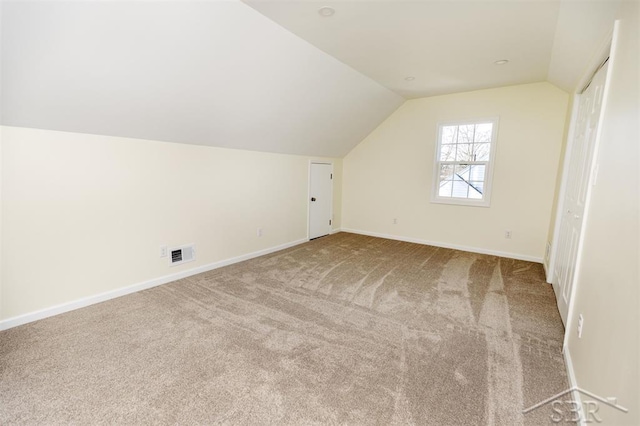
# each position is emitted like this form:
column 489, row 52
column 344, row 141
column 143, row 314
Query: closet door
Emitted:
column 578, row 180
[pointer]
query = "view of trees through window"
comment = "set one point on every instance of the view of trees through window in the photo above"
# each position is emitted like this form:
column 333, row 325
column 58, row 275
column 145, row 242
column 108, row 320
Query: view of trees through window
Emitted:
column 464, row 152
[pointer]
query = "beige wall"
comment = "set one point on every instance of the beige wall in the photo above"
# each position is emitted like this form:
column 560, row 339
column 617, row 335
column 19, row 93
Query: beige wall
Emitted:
column 389, row 174
column 85, row 214
column 606, row 358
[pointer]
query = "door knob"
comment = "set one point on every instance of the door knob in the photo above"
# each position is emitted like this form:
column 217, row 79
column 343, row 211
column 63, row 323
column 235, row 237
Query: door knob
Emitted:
column 313, row 198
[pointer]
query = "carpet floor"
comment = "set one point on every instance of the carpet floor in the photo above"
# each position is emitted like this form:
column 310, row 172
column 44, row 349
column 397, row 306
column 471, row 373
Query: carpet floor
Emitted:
column 346, row 329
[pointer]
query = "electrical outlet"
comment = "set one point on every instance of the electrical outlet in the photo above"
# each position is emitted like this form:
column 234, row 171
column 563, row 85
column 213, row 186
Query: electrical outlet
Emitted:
column 580, row 325
column 395, row 221
column 507, row 234
column 259, row 232
column 163, row 251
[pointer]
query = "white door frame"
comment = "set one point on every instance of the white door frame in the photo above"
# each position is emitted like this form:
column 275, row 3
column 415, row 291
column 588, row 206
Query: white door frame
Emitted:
column 309, row 194
column 607, row 49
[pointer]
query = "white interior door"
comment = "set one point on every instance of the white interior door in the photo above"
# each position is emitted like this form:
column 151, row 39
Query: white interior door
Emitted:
column 580, row 163
column 320, row 199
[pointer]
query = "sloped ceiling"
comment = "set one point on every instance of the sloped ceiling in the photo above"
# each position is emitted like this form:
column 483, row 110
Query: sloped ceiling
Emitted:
column 584, row 27
column 208, row 73
column 280, row 77
column 450, row 46
column 446, row 46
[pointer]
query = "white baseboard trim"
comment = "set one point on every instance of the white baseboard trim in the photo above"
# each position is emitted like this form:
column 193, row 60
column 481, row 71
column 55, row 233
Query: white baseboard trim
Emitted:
column 447, row 245
column 573, row 384
column 123, row 291
column 547, row 277
column 336, row 230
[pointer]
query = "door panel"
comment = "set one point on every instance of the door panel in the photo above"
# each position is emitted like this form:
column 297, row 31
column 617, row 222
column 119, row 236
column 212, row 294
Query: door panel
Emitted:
column 578, row 179
column 320, row 198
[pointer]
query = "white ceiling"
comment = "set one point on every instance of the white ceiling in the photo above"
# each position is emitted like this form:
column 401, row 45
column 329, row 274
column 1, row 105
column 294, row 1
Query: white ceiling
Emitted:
column 448, row 46
column 584, row 28
column 221, row 73
column 209, row 73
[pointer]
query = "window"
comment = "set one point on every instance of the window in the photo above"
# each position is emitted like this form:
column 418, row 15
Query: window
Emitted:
column 464, row 162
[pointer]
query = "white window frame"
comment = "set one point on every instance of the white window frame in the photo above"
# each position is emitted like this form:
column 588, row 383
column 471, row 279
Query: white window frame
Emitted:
column 485, row 201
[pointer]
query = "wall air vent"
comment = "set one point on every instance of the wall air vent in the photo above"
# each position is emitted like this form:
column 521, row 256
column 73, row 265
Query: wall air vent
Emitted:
column 183, row 254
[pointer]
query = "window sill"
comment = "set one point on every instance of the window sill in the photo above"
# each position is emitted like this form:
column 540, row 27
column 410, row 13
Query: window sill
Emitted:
column 461, row 202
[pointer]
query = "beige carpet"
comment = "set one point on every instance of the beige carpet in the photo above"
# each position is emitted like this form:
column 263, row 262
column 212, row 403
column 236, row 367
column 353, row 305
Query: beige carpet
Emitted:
column 345, row 329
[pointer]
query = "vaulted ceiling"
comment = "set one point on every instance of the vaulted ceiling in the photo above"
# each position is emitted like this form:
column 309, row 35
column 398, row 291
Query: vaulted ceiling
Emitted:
column 275, row 76
column 209, row 73
column 426, row 48
column 431, row 47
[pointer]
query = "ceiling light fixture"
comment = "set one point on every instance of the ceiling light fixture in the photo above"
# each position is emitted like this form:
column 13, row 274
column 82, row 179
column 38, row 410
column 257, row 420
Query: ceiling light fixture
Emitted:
column 410, row 78
column 501, row 62
column 326, row 11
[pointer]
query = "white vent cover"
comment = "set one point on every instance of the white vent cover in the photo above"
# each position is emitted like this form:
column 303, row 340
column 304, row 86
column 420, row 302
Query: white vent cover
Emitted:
column 183, row 254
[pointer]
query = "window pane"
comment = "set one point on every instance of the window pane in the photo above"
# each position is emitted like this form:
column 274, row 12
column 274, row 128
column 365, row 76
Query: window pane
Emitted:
column 445, row 188
column 465, row 133
column 464, row 152
column 462, row 172
column 446, row 172
column 476, row 173
column 483, row 132
column 478, row 187
column 481, row 151
column 460, row 189
column 474, row 191
column 449, row 134
column 447, row 152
